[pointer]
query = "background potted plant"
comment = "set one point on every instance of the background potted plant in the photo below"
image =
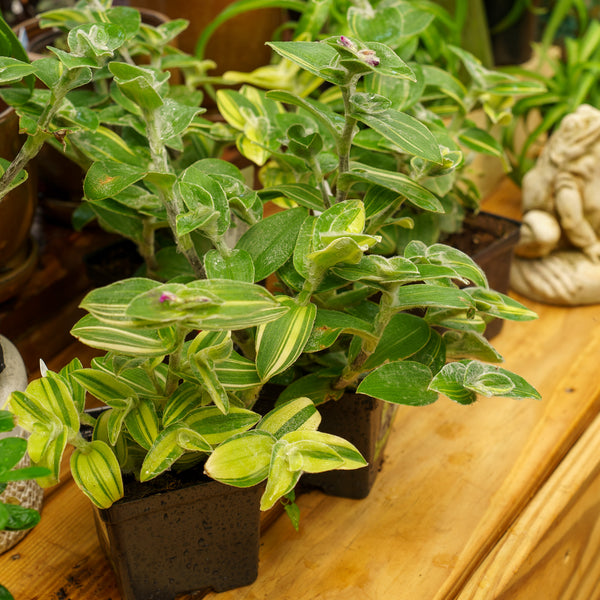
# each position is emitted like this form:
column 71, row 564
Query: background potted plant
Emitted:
column 461, row 101
column 344, row 317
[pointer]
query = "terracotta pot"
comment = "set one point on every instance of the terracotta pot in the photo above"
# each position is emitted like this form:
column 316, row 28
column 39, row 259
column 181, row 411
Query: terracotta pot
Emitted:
column 238, row 44
column 18, row 252
column 365, row 422
column 188, row 534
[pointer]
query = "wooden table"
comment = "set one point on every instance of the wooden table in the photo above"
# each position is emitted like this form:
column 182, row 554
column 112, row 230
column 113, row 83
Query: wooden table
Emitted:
column 499, row 500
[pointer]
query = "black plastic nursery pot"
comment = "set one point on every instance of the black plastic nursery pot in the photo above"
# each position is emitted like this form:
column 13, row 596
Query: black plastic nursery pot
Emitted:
column 490, row 241
column 366, row 423
column 187, row 534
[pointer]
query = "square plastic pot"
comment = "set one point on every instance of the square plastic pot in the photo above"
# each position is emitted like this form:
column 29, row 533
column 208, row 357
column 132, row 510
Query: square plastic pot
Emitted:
column 366, row 423
column 194, row 535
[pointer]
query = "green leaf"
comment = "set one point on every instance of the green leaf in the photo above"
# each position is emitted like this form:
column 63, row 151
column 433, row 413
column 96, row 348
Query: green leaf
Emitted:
column 470, row 344
column 480, row 141
column 301, row 193
column 215, row 427
column 312, row 57
column 404, row 335
column 271, row 241
column 13, row 70
column 280, row 342
column 96, row 472
column 293, row 415
column 238, row 265
column 462, row 381
column 7, row 421
column 330, row 324
column 139, row 84
column 421, row 296
column 403, row 185
column 120, row 339
column 237, row 373
column 106, row 179
column 243, row 460
column 170, row 445
column 404, row 382
column 19, row 518
column 314, row 386
column 405, row 132
column 500, row 305
column 12, row 451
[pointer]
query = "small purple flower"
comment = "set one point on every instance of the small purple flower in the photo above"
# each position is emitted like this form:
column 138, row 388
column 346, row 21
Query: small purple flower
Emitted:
column 369, row 57
column 347, row 43
column 167, row 297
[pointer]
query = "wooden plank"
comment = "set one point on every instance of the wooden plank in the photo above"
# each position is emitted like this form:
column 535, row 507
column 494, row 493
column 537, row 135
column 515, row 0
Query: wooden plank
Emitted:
column 551, row 551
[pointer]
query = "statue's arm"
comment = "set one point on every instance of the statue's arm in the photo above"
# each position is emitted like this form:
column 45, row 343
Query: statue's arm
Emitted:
column 569, row 206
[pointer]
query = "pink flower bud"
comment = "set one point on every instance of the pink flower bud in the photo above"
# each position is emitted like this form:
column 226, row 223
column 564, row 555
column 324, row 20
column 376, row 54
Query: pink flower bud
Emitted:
column 369, row 57
column 347, row 43
column 167, row 297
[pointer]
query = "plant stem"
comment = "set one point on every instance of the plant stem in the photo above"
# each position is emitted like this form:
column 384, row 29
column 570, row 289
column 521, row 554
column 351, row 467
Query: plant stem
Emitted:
column 344, row 143
column 33, row 144
column 174, row 361
column 168, row 195
column 354, row 369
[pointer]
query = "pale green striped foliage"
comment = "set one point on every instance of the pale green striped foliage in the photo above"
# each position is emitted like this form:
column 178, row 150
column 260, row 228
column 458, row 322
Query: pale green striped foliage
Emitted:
column 284, row 445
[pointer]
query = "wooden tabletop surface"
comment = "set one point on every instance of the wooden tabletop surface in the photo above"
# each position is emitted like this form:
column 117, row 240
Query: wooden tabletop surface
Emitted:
column 458, row 498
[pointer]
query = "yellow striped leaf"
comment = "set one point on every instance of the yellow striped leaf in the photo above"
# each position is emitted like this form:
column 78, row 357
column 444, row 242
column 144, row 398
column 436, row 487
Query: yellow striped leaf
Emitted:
column 300, row 413
column 351, row 457
column 215, row 427
column 53, row 393
column 124, row 340
column 106, row 387
column 96, row 471
column 283, row 476
column 243, row 460
column 279, row 343
column 168, row 447
column 142, row 423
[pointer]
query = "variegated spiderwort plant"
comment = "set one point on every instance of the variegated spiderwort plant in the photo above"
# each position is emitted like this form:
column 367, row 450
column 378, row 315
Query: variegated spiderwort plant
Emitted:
column 187, row 358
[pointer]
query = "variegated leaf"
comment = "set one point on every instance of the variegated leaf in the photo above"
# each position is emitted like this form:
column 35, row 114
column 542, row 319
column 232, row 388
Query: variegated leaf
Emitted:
column 165, row 451
column 293, row 415
column 124, row 340
column 279, row 343
column 142, row 424
column 106, row 387
column 350, row 456
column 243, row 460
column 96, row 471
column 215, row 427
column 282, row 476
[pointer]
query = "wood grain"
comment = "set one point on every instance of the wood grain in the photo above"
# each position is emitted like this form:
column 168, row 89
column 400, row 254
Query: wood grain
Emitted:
column 551, row 551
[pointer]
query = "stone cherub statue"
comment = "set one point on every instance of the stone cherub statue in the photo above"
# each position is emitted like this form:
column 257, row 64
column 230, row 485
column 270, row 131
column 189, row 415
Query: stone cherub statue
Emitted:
column 558, row 256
